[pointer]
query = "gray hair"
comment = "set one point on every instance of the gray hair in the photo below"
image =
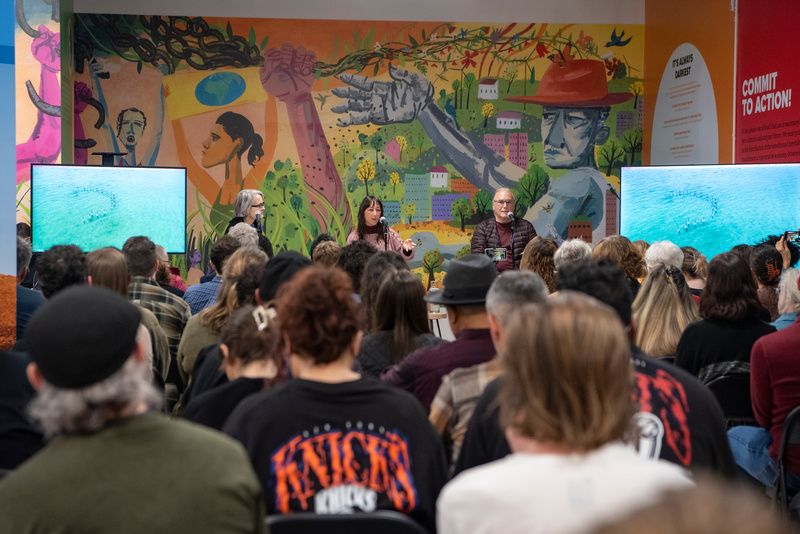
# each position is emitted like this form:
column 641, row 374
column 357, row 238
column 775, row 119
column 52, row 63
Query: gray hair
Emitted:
column 665, row 253
column 571, row 251
column 789, row 293
column 513, row 289
column 23, row 254
column 244, row 201
column 86, row 410
column 246, row 235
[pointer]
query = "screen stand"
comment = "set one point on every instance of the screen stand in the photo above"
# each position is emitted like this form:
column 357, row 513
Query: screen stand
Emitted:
column 108, row 157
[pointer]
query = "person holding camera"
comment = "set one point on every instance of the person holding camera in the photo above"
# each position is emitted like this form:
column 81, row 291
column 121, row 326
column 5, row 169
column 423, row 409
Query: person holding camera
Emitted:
column 503, row 238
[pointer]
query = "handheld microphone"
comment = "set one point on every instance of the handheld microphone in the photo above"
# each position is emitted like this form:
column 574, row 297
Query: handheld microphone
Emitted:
column 511, row 217
column 382, row 221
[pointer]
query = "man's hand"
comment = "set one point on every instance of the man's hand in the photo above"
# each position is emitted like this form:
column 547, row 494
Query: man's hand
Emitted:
column 288, row 72
column 371, row 101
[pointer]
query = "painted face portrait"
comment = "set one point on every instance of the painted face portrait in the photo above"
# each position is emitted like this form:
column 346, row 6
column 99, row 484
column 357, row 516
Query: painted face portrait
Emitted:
column 218, row 148
column 131, row 128
column 570, row 135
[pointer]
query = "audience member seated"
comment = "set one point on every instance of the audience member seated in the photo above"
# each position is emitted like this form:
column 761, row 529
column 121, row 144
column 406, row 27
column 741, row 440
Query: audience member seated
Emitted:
column 171, row 311
column 321, row 238
column 538, row 257
column 571, row 251
column 620, row 250
column 788, row 299
column 201, row 296
column 663, row 253
column 774, row 391
column 60, row 267
column 695, row 270
column 454, row 403
column 246, row 235
column 767, row 265
column 251, row 361
column 327, row 253
column 712, row 506
column 165, row 277
column 464, row 295
column 680, row 420
column 352, row 260
column 662, row 310
column 31, row 280
column 28, row 300
column 19, row 437
column 641, row 247
column 567, row 414
column 204, row 329
column 330, row 441
column 720, row 343
column 112, row 466
column 107, row 268
column 379, row 265
column 401, row 323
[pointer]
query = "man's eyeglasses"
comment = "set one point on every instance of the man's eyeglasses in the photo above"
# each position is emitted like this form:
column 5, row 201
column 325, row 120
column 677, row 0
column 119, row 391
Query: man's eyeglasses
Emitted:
column 503, row 202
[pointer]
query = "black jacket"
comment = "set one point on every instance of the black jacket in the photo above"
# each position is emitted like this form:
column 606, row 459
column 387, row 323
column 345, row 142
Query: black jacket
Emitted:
column 486, row 236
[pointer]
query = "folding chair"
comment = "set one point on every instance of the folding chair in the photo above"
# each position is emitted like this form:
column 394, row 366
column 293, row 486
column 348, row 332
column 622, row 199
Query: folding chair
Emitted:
column 789, row 438
column 733, row 393
column 381, row 521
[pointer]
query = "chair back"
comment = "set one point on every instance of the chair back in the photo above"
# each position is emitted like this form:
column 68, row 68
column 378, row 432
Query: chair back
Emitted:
column 789, row 438
column 733, row 394
column 381, row 521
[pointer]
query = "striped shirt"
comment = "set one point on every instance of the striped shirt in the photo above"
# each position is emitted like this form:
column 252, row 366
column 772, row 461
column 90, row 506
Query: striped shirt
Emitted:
column 201, row 296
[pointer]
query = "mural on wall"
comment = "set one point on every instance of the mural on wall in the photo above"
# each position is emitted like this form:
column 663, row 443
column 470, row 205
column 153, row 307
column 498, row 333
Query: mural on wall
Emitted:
column 37, row 46
column 430, row 117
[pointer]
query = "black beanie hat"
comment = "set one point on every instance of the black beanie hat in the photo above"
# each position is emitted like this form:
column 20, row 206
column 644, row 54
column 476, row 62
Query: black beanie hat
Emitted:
column 82, row 335
column 279, row 269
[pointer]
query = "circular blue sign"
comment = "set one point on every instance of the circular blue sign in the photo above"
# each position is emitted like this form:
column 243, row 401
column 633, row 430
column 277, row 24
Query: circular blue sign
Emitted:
column 220, row 89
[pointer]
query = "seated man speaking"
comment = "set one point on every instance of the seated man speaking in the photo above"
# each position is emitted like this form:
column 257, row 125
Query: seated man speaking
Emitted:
column 502, row 238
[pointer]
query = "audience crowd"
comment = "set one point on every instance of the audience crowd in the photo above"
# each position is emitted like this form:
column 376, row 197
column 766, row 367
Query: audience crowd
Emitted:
column 614, row 388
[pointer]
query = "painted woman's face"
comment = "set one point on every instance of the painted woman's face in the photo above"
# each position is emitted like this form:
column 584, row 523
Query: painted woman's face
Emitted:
column 372, row 215
column 218, row 148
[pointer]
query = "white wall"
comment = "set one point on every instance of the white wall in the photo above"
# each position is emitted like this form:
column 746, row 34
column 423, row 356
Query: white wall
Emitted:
column 576, row 11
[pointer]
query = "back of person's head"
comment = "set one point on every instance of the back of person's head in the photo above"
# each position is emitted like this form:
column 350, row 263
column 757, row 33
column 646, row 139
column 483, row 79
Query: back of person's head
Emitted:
column 24, row 254
column 695, row 264
column 326, row 253
column 730, row 292
column 278, row 271
column 59, row 267
column 140, row 255
column 248, row 282
column 321, row 238
column 713, row 506
column 107, row 268
column 577, row 392
column 24, row 231
column 571, row 251
column 353, row 259
column 789, row 294
column 603, row 280
column 401, row 309
column 265, row 245
column 214, row 316
column 378, row 266
column 662, row 310
column 222, row 250
column 641, row 246
column 252, row 334
column 743, row 251
column 245, row 234
column 621, row 251
column 538, row 257
column 663, row 253
column 766, row 264
column 318, row 314
column 513, row 289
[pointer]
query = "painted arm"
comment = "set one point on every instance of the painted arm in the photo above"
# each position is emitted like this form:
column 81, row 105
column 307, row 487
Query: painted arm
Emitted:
column 151, row 155
column 409, row 96
column 108, row 128
column 197, row 175
column 259, row 170
column 287, row 74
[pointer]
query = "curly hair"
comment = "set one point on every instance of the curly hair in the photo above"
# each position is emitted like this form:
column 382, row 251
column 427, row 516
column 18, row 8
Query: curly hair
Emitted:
column 59, row 267
column 766, row 263
column 695, row 264
column 352, row 260
column 621, row 251
column 730, row 292
column 319, row 316
column 538, row 257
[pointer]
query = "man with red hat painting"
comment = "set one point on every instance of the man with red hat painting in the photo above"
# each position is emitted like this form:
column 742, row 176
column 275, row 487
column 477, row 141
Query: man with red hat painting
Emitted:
column 576, row 102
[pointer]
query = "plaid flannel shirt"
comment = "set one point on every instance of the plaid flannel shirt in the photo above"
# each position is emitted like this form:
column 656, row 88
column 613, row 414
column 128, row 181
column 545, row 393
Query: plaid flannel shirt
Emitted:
column 171, row 311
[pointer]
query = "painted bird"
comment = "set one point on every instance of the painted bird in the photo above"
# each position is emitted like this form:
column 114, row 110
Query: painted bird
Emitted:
column 616, row 40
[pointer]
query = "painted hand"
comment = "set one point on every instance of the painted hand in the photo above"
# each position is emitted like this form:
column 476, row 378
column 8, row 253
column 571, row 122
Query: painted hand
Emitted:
column 368, row 100
column 47, row 49
column 288, row 72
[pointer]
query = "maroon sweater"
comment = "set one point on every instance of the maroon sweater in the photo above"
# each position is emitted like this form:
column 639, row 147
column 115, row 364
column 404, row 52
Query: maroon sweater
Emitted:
column 775, row 385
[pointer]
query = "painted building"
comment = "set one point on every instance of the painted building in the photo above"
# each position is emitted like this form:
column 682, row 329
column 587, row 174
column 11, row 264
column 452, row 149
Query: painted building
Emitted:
column 508, row 120
column 439, row 176
column 612, row 212
column 497, row 142
column 461, row 185
column 391, row 210
column 580, row 230
column 624, row 122
column 518, row 149
column 418, row 192
column 488, row 89
column 442, row 204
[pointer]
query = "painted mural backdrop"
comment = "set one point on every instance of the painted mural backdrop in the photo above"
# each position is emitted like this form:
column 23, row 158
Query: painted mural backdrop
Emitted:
column 430, row 117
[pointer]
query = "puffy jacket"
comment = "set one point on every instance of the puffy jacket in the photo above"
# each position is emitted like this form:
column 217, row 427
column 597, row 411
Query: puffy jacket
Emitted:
column 486, row 236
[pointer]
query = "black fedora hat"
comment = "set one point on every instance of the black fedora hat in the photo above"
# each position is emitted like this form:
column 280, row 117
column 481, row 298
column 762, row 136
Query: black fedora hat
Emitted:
column 467, row 281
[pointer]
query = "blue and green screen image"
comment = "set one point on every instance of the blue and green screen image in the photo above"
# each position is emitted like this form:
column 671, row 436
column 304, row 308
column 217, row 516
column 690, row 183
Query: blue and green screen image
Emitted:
column 94, row 207
column 709, row 207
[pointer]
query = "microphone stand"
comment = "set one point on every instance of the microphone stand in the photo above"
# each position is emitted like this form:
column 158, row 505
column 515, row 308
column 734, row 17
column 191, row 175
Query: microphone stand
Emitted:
column 513, row 229
column 385, row 237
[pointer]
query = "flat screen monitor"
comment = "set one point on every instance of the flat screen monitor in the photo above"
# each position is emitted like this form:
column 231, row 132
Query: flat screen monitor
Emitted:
column 94, row 207
column 709, row 207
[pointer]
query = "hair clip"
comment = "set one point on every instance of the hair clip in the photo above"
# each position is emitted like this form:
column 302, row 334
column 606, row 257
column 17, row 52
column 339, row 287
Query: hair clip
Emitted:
column 262, row 317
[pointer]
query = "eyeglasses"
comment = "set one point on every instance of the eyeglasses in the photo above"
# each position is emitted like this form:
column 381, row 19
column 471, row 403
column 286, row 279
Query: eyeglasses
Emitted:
column 257, row 205
column 503, row 202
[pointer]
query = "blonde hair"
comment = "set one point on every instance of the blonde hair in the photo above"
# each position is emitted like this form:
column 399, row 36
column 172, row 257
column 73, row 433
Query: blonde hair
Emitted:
column 215, row 316
column 577, row 390
column 662, row 310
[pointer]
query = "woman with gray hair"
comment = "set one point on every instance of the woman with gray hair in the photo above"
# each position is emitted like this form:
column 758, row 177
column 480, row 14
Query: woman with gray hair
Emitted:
column 788, row 299
column 572, row 251
column 249, row 208
column 664, row 253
